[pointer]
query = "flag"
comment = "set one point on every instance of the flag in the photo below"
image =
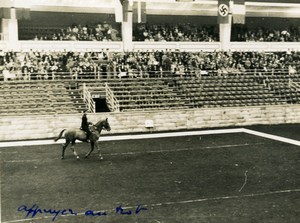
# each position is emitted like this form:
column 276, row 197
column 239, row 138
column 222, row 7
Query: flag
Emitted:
column 22, row 13
column 139, row 12
column 125, row 7
column 239, row 12
column 143, row 12
column 223, row 11
column 5, row 13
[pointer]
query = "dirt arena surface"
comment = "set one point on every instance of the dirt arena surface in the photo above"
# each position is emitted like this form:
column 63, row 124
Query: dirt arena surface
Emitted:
column 232, row 177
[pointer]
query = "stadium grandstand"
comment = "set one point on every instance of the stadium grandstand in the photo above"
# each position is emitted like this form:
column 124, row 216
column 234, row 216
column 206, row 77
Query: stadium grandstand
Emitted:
column 124, row 57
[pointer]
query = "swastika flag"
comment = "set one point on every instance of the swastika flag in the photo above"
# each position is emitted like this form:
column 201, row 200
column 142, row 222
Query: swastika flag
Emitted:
column 223, row 11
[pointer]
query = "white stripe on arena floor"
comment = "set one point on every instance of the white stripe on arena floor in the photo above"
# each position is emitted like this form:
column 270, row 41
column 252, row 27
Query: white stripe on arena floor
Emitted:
column 125, row 137
column 158, row 135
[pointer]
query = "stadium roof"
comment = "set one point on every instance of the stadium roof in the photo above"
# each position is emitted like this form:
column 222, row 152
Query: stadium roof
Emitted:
column 254, row 8
column 276, row 1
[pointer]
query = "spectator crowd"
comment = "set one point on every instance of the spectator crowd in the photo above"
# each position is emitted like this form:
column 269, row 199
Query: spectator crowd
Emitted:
column 80, row 65
column 99, row 32
column 185, row 32
column 261, row 34
column 178, row 32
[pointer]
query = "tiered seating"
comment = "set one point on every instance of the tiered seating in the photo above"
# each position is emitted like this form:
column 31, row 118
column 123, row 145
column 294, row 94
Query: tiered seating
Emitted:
column 61, row 101
column 279, row 84
column 19, row 98
column 76, row 95
column 144, row 94
column 213, row 91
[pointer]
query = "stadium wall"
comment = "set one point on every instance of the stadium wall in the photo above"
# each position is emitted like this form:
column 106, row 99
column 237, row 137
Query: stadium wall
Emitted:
column 116, row 46
column 45, row 127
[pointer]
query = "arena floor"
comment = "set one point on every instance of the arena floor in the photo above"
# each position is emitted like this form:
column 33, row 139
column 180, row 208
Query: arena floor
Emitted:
column 219, row 175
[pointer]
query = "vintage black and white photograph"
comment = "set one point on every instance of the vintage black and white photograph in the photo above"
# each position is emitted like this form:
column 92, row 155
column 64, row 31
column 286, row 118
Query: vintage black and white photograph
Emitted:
column 149, row 111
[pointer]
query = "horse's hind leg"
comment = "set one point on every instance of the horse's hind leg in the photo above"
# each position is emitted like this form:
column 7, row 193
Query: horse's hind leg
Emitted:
column 73, row 149
column 64, row 148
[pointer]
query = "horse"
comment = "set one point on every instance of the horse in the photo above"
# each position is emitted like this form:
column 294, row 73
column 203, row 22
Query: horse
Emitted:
column 72, row 134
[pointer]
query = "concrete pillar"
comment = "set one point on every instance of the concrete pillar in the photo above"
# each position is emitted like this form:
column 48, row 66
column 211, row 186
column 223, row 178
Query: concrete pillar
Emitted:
column 225, row 33
column 127, row 32
column 9, row 28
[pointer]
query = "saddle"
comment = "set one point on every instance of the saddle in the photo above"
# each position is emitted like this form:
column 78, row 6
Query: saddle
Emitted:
column 92, row 129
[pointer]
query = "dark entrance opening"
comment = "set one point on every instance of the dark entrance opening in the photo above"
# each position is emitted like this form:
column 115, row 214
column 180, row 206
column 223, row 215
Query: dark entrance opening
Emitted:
column 101, row 105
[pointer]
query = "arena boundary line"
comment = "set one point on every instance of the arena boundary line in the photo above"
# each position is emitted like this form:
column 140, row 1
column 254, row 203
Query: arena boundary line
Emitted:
column 125, row 137
column 160, row 135
column 273, row 137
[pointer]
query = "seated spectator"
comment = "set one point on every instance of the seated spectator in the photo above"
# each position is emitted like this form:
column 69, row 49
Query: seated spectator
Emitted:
column 260, row 34
column 84, row 65
column 8, row 74
column 82, row 32
column 178, row 32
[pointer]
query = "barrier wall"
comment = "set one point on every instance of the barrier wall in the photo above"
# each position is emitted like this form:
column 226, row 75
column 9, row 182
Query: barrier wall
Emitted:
column 182, row 46
column 144, row 46
column 264, row 46
column 40, row 127
column 62, row 45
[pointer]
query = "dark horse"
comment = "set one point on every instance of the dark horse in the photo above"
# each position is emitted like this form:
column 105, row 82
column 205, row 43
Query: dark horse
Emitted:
column 72, row 134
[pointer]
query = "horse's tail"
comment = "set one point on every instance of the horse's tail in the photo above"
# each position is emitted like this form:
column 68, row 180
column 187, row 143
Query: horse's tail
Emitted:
column 60, row 135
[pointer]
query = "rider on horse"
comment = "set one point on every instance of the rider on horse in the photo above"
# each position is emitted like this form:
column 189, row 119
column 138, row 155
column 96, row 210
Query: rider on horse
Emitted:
column 85, row 126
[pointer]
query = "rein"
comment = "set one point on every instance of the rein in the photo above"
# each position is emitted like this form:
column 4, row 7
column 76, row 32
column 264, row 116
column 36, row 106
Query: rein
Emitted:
column 100, row 125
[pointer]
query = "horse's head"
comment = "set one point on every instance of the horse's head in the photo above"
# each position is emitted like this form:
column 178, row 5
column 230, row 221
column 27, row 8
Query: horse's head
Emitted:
column 103, row 125
column 106, row 125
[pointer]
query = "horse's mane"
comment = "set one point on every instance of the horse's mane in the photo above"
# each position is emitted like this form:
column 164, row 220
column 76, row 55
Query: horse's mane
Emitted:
column 99, row 122
column 95, row 128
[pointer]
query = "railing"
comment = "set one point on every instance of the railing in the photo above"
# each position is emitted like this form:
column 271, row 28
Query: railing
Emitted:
column 79, row 46
column 88, row 76
column 28, row 45
column 87, row 97
column 112, row 102
column 264, row 46
column 294, row 85
column 173, row 46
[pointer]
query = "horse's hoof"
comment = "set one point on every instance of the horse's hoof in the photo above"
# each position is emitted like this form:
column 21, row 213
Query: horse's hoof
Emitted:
column 62, row 158
column 77, row 157
column 86, row 157
column 101, row 158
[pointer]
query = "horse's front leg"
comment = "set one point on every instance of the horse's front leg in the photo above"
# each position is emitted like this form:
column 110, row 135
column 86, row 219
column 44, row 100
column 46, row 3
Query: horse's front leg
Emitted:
column 99, row 152
column 73, row 149
column 91, row 150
